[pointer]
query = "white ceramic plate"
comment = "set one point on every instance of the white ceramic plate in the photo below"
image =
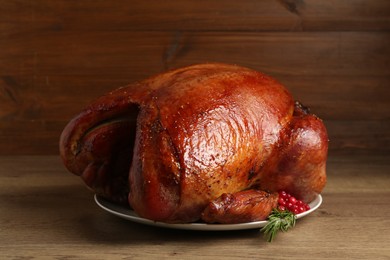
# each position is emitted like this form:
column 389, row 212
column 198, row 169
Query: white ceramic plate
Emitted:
column 127, row 213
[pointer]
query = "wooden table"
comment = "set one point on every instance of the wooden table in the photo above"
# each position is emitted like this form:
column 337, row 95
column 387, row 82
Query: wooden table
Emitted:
column 47, row 213
column 57, row 56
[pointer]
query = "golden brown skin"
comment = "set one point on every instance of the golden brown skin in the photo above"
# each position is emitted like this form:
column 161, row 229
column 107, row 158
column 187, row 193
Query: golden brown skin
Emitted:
column 240, row 207
column 185, row 137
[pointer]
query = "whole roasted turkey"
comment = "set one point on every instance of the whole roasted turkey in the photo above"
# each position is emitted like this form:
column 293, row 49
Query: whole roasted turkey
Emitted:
column 211, row 142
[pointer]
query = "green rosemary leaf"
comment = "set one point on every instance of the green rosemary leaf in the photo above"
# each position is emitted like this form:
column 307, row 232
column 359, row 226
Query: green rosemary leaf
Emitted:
column 278, row 221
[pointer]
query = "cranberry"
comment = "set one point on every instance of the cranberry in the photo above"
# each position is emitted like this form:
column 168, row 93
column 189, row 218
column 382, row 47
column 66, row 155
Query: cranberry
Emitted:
column 292, row 200
column 288, row 202
column 281, row 202
column 283, row 195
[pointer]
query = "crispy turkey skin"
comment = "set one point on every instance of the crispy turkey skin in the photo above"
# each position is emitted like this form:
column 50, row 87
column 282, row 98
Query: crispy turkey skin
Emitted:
column 174, row 143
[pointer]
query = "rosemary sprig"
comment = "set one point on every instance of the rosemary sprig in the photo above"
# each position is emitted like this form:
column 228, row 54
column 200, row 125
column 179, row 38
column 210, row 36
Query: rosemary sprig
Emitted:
column 278, row 221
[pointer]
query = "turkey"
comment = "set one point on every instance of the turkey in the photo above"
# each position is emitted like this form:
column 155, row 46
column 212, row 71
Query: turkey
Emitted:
column 212, row 142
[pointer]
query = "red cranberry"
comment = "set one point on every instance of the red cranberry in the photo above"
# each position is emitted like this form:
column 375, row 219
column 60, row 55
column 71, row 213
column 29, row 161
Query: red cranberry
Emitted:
column 292, row 200
column 288, row 202
column 281, row 202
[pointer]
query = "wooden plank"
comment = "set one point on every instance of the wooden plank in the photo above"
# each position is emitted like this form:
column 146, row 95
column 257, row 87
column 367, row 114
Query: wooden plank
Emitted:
column 46, row 74
column 186, row 15
column 359, row 137
column 34, row 137
column 45, row 80
column 48, row 213
column 119, row 54
column 342, row 98
column 59, row 97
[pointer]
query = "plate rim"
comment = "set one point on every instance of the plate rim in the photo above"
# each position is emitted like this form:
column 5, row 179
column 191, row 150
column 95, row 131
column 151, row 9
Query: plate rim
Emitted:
column 129, row 214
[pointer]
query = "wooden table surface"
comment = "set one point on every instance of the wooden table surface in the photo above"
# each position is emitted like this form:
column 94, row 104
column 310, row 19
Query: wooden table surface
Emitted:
column 47, row 213
column 56, row 56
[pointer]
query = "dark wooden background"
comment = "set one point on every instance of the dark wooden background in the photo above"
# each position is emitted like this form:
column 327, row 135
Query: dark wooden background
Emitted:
column 56, row 56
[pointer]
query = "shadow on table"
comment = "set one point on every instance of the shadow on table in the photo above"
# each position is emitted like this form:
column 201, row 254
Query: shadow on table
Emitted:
column 106, row 228
column 68, row 213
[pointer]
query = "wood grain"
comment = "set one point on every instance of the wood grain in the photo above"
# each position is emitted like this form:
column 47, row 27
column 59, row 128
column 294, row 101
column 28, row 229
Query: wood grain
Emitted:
column 56, row 56
column 344, row 80
column 187, row 15
column 47, row 213
column 124, row 54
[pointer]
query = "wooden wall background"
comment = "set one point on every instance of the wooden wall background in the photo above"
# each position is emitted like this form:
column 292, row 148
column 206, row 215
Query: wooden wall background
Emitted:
column 56, row 56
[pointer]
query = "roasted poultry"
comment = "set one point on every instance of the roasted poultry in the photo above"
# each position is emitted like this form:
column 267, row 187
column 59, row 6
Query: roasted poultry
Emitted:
column 211, row 142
